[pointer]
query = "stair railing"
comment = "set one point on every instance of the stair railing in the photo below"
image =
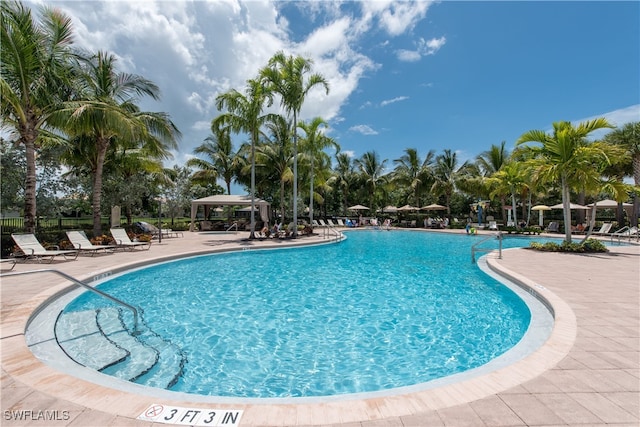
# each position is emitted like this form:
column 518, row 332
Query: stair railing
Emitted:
column 87, row 287
column 475, row 247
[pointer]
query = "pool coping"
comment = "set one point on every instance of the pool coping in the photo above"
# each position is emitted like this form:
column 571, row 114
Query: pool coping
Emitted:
column 19, row 362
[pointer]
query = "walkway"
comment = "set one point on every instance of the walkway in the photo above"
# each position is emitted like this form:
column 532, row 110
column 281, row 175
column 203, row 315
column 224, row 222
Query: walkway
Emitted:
column 587, row 374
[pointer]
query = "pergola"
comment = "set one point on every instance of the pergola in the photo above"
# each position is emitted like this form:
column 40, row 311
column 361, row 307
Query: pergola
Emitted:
column 229, row 200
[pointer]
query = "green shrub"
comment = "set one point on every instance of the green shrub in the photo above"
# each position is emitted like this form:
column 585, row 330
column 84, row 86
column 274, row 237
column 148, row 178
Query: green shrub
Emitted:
column 589, row 246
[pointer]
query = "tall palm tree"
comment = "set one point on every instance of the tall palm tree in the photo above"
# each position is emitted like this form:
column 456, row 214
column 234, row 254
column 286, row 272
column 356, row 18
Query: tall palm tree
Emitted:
column 343, row 177
column 276, row 154
column 107, row 114
column 446, row 174
column 220, row 162
column 628, row 137
column 244, row 114
column 285, row 76
column 371, row 171
column 564, row 157
column 35, row 73
column 413, row 173
column 313, row 144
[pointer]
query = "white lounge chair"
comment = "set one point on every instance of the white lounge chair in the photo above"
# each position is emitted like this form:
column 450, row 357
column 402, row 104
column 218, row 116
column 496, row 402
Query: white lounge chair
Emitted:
column 31, row 248
column 331, row 224
column 340, row 223
column 606, row 227
column 314, row 223
column 123, row 241
column 322, row 223
column 626, row 232
column 493, row 225
column 80, row 241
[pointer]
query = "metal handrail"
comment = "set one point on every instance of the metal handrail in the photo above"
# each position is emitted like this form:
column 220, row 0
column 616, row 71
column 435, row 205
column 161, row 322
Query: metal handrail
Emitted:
column 475, row 248
column 84, row 285
column 235, row 224
column 330, row 227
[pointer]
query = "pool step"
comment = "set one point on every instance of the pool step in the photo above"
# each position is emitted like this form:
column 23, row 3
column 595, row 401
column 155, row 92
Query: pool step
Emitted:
column 79, row 335
column 100, row 339
column 141, row 357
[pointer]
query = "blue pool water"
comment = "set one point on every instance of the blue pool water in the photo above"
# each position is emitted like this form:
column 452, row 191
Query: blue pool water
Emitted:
column 377, row 311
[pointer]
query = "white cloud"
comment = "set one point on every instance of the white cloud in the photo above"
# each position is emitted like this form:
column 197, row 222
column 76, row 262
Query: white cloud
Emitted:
column 423, row 48
column 363, row 129
column 617, row 118
column 350, row 153
column 391, row 101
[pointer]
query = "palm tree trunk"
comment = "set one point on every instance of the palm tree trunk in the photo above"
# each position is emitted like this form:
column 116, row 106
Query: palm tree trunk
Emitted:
column 295, row 175
column 311, row 193
column 103, row 144
column 30, row 186
column 566, row 208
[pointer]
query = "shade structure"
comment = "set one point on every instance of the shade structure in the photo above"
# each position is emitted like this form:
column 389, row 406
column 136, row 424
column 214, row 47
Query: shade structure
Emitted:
column 541, row 209
column 389, row 209
column 572, row 206
column 608, row 204
column 358, row 208
column 229, row 200
column 434, row 207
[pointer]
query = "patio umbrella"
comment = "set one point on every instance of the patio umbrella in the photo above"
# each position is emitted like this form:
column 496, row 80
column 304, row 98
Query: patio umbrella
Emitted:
column 358, row 208
column 408, row 208
column 434, row 207
column 541, row 209
column 389, row 209
column 608, row 204
column 572, row 206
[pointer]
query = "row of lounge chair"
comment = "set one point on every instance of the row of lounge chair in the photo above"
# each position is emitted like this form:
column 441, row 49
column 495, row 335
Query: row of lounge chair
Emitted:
column 30, row 248
column 604, row 230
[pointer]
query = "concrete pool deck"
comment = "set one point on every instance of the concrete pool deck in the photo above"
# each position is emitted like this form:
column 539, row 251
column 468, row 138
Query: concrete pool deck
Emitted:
column 588, row 372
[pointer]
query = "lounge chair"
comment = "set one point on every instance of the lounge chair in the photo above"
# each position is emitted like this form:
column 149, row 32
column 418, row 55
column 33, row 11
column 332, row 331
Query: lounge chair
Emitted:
column 606, row 227
column 553, row 227
column 31, row 248
column 340, row 223
column 314, row 223
column 9, row 260
column 626, row 232
column 80, row 241
column 493, row 225
column 331, row 224
column 322, row 223
column 123, row 241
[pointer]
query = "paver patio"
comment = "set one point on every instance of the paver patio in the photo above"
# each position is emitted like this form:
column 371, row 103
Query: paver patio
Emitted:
column 595, row 380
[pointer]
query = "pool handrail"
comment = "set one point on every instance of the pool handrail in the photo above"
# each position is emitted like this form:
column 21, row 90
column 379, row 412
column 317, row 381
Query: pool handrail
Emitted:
column 331, row 228
column 84, row 285
column 475, row 248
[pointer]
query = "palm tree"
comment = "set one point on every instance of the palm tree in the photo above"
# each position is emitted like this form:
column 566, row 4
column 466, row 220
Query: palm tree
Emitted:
column 564, row 157
column 313, row 145
column 285, row 76
column 371, row 172
column 277, row 155
column 245, row 115
column 343, row 177
column 107, row 114
column 628, row 137
column 446, row 175
column 413, row 173
column 35, row 71
column 510, row 179
column 222, row 160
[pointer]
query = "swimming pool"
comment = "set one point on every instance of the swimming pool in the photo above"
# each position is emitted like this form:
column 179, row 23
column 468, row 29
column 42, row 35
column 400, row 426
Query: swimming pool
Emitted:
column 379, row 311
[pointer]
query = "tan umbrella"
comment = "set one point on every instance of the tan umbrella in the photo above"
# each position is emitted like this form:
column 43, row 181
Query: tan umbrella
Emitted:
column 389, row 209
column 408, row 208
column 358, row 208
column 572, row 206
column 541, row 209
column 434, row 207
column 608, row 204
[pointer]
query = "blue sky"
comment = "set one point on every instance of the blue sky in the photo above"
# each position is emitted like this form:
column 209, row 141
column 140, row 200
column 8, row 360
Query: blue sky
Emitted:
column 445, row 75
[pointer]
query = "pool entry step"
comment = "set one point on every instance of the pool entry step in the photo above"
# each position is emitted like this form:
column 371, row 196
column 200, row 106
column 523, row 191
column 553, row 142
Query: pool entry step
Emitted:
column 100, row 339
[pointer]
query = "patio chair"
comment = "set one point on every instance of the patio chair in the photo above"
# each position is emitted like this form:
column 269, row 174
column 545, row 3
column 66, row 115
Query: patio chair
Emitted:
column 80, row 241
column 340, row 223
column 493, row 225
column 626, row 232
column 553, row 227
column 606, row 227
column 31, row 248
column 123, row 241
